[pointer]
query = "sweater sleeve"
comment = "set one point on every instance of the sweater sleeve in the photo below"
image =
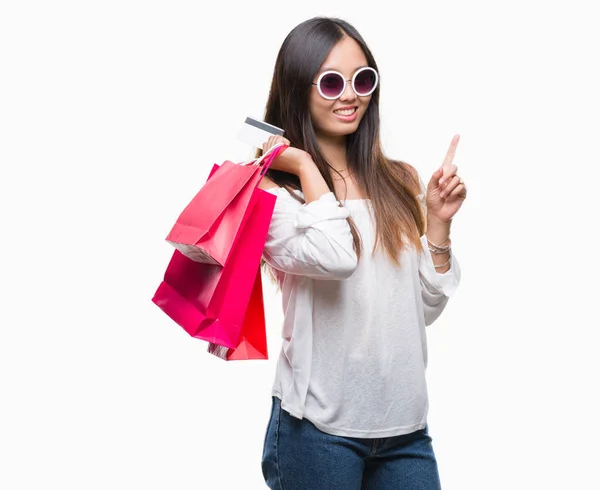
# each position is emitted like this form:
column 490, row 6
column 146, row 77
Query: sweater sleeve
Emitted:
column 436, row 288
column 312, row 239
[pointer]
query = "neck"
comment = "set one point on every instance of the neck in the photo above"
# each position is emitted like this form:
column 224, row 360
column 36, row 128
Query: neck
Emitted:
column 334, row 151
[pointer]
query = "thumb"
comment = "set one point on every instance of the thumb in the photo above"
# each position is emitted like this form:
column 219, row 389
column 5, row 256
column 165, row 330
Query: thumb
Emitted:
column 435, row 178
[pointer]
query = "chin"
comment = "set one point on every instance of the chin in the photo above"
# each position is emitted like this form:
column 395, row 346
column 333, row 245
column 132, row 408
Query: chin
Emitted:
column 336, row 128
column 344, row 129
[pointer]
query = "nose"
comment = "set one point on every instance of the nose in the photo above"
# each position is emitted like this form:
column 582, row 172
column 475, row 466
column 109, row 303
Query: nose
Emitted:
column 349, row 94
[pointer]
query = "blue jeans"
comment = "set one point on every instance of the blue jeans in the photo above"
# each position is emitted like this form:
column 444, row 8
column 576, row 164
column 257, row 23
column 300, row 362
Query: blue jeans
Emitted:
column 298, row 456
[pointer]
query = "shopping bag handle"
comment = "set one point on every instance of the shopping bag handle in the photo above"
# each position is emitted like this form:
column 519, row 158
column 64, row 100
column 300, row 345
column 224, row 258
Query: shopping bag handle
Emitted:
column 258, row 160
column 268, row 157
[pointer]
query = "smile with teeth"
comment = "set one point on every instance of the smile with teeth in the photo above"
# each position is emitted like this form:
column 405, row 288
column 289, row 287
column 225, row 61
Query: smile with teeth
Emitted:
column 345, row 112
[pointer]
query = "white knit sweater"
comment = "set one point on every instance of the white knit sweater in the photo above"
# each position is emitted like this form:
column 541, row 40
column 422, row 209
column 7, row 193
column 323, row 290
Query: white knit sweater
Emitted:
column 354, row 347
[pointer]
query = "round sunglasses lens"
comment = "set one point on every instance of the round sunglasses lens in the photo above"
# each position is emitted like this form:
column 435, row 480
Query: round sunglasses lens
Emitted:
column 331, row 85
column 365, row 81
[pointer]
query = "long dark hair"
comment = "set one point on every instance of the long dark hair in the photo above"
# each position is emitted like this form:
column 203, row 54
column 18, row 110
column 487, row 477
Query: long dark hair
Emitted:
column 391, row 185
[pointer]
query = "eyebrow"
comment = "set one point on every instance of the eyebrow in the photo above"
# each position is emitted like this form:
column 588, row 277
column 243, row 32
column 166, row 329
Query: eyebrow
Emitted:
column 329, row 68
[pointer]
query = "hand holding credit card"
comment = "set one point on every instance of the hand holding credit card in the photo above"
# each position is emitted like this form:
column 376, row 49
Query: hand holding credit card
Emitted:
column 264, row 136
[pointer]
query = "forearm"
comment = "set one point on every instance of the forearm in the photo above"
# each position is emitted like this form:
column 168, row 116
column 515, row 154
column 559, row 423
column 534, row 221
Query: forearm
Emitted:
column 312, row 182
column 438, row 233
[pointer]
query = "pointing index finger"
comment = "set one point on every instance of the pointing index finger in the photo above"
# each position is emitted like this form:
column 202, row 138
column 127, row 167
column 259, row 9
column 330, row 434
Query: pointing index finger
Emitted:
column 451, row 152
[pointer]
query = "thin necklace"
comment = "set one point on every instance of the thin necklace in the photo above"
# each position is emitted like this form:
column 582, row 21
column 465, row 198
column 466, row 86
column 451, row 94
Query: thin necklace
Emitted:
column 342, row 178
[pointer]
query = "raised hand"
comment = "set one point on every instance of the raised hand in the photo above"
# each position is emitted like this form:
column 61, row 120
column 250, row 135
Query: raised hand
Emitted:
column 446, row 191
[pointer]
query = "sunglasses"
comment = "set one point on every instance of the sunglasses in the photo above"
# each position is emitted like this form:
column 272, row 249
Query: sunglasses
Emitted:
column 331, row 84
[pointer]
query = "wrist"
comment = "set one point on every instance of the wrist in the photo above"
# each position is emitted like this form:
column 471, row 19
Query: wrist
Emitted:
column 438, row 231
column 435, row 221
column 438, row 227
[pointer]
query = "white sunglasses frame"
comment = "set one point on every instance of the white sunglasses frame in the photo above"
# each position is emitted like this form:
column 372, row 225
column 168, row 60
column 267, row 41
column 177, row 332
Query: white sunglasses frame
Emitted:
column 360, row 70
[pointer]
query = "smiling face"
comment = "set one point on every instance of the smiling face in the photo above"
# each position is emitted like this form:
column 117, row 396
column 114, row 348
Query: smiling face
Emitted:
column 340, row 117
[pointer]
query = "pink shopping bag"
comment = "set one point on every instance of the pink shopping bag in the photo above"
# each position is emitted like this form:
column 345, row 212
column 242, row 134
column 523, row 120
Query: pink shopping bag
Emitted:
column 210, row 301
column 207, row 228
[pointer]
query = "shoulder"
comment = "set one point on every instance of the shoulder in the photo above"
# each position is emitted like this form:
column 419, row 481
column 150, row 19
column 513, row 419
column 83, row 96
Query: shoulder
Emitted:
column 287, row 200
column 410, row 175
column 412, row 171
column 266, row 184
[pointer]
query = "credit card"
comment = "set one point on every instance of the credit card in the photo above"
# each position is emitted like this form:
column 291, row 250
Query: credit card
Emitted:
column 256, row 132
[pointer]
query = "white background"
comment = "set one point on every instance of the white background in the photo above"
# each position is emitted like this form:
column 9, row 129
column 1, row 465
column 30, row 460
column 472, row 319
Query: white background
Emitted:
column 112, row 114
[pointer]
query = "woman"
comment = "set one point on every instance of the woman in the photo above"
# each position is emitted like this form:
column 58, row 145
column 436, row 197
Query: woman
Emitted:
column 361, row 251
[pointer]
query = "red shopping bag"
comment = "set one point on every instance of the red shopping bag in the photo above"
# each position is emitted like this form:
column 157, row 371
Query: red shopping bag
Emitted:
column 253, row 338
column 210, row 301
column 207, row 228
